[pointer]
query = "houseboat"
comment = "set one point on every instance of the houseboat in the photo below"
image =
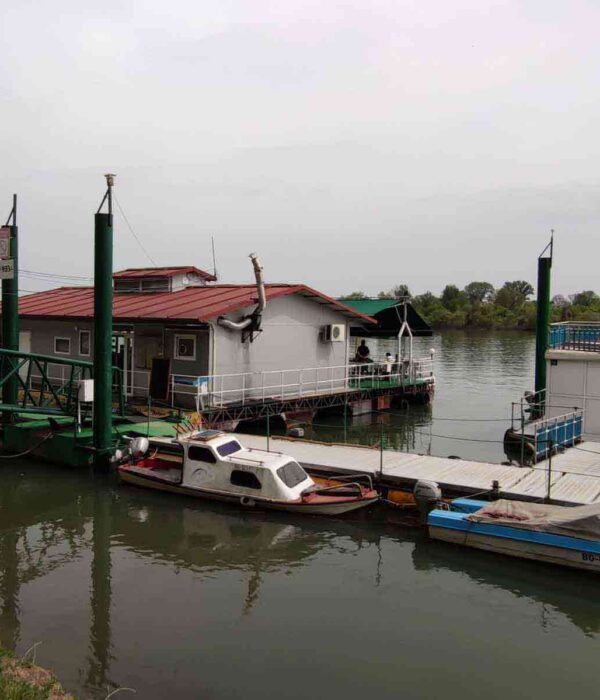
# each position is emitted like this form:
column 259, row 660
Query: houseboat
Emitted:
column 213, row 465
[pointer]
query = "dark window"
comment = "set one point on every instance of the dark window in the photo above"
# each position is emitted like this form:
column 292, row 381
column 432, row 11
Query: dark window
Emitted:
column 125, row 285
column 246, row 479
column 292, row 474
column 229, row 448
column 201, row 454
column 62, row 346
column 155, row 285
column 84, row 342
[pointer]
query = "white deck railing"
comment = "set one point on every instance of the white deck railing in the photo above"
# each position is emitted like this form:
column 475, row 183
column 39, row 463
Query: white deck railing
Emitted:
column 250, row 387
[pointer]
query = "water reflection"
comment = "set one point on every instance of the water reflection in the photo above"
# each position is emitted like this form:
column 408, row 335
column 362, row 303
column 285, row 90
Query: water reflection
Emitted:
column 120, row 549
column 568, row 592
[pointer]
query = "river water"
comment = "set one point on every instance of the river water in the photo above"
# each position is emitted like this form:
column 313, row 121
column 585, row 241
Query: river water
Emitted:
column 119, row 587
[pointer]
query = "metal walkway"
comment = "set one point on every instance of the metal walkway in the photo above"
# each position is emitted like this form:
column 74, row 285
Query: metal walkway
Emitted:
column 574, row 475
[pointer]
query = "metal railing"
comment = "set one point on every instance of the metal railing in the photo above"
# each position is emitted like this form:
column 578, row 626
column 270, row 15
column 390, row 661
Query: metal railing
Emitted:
column 575, row 336
column 243, row 388
column 214, row 391
column 544, row 433
column 559, row 431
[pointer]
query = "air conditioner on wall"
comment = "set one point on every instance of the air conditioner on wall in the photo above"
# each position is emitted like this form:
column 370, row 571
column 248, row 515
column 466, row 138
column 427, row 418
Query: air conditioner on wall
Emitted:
column 334, row 333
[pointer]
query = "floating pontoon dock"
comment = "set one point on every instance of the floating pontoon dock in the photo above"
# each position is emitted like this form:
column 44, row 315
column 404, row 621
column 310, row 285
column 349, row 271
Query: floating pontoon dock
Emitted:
column 574, row 475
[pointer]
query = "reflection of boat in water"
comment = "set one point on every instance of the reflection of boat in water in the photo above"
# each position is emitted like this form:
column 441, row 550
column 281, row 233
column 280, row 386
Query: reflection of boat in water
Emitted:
column 215, row 466
column 565, row 592
column 567, row 536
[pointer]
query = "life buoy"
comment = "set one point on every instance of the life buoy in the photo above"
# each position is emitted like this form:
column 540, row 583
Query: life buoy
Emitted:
column 247, row 501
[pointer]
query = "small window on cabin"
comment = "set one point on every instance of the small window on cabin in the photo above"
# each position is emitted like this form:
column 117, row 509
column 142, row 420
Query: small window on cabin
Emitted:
column 125, row 285
column 228, row 448
column 161, row 284
column 246, row 480
column 62, row 346
column 185, row 347
column 292, row 474
column 84, row 342
column 201, row 454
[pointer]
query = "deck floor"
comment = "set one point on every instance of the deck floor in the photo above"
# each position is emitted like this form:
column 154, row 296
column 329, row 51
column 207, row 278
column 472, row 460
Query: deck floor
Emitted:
column 575, row 475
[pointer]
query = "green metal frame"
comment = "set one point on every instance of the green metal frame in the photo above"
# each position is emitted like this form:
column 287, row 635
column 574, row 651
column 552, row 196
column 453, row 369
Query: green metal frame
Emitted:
column 52, row 398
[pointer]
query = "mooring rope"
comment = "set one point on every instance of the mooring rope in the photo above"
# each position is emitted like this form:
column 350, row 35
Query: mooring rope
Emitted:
column 31, row 449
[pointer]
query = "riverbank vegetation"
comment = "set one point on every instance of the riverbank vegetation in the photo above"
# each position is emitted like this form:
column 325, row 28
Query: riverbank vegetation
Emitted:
column 481, row 305
column 21, row 680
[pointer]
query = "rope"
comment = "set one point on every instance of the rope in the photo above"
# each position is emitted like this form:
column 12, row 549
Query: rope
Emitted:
column 133, row 233
column 31, row 449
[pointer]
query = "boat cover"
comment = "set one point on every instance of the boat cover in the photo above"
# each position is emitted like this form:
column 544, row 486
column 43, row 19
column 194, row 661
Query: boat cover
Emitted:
column 582, row 522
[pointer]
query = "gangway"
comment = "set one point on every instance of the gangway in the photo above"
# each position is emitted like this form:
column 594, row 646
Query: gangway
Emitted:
column 49, row 385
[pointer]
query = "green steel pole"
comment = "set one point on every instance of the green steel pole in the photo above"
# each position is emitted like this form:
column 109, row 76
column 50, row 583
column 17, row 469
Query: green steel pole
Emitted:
column 103, row 299
column 542, row 328
column 10, row 309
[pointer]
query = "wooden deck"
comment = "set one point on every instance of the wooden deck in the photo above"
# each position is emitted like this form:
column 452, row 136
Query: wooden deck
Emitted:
column 575, row 475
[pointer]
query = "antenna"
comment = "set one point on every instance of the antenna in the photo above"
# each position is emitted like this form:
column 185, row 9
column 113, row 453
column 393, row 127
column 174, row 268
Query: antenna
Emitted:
column 212, row 240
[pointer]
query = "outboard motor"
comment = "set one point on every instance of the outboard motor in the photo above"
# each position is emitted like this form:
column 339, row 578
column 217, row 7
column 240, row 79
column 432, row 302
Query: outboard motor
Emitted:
column 427, row 494
column 139, row 446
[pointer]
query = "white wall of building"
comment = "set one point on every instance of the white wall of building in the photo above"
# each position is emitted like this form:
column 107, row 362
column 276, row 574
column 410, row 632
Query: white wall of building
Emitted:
column 574, row 382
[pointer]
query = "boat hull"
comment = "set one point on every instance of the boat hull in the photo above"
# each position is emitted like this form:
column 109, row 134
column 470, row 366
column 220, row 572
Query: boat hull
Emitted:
column 550, row 549
column 338, row 507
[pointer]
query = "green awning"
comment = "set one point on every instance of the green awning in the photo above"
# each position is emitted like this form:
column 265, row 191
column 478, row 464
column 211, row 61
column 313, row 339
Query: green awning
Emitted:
column 370, row 307
column 389, row 314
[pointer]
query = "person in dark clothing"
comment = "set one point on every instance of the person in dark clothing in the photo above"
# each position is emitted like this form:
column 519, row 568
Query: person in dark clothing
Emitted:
column 363, row 352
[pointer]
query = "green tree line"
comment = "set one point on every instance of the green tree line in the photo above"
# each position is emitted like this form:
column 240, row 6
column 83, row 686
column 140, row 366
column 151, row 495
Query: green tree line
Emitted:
column 481, row 305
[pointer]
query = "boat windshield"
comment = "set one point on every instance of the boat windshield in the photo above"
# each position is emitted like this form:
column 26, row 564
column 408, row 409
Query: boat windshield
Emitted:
column 292, row 474
column 228, row 448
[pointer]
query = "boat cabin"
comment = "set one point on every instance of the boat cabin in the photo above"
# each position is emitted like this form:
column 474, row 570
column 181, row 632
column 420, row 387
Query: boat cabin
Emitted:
column 214, row 461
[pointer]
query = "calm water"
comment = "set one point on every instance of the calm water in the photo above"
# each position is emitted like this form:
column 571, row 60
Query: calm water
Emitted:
column 179, row 599
column 478, row 376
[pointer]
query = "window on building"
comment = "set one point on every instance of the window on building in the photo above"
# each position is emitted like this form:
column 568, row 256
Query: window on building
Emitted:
column 292, row 474
column 185, row 347
column 126, row 285
column 201, row 454
column 228, row 448
column 62, row 346
column 160, row 284
column 246, row 480
column 85, row 339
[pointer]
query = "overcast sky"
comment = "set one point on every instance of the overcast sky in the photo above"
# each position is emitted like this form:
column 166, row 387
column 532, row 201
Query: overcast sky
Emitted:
column 353, row 145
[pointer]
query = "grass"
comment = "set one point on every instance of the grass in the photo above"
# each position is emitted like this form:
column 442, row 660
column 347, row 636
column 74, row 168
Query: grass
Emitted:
column 21, row 680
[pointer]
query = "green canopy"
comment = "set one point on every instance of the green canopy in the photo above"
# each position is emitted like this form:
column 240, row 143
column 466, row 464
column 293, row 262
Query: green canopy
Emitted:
column 389, row 314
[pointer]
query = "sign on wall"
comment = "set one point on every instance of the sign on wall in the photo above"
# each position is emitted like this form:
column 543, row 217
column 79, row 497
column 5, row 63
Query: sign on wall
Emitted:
column 7, row 269
column 4, row 242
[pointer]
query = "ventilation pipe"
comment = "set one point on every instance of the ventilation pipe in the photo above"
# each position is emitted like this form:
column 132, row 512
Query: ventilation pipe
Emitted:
column 254, row 317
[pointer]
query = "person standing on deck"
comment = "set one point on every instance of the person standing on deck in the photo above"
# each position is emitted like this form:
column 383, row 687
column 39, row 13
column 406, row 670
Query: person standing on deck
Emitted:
column 363, row 352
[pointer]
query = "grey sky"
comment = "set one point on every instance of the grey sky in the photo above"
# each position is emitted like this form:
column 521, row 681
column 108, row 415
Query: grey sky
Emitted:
column 354, row 145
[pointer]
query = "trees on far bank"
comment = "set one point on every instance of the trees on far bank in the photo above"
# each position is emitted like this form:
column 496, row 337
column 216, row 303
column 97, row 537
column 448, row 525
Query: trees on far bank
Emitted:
column 481, row 305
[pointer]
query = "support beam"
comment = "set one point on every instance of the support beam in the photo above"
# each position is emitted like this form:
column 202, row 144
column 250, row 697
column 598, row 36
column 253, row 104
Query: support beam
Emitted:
column 103, row 300
column 542, row 325
column 10, row 308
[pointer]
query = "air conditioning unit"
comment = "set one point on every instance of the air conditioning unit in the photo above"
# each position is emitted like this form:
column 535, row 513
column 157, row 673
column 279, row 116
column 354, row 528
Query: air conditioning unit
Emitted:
column 335, row 333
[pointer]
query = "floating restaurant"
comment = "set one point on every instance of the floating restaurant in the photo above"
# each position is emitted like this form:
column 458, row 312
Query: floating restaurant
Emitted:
column 182, row 339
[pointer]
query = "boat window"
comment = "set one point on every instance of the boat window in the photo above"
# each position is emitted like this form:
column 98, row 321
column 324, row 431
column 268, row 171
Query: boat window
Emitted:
column 292, row 474
column 228, row 448
column 201, row 454
column 246, row 479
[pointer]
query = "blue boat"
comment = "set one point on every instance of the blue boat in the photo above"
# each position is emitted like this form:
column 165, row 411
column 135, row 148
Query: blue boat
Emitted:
column 568, row 536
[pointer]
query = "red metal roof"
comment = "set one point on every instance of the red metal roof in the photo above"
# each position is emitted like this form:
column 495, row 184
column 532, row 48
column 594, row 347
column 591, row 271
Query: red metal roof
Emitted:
column 136, row 272
column 198, row 304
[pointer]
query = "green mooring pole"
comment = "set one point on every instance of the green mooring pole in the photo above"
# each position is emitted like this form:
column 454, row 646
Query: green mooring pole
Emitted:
column 542, row 327
column 103, row 300
column 10, row 307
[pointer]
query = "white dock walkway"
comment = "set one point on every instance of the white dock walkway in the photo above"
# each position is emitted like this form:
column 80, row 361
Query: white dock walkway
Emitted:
column 575, row 475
